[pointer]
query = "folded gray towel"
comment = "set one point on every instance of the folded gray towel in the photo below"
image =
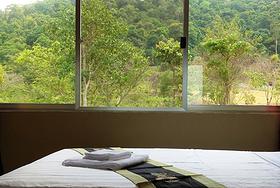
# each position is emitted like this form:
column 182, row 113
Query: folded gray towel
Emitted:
column 109, row 165
column 107, row 155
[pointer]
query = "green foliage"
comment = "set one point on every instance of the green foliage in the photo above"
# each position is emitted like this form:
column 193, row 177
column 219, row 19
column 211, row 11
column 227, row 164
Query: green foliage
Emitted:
column 37, row 49
column 166, row 84
column 39, row 68
column 256, row 16
column 2, row 74
column 258, row 79
column 169, row 53
column 170, row 56
column 13, row 89
column 275, row 58
column 226, row 50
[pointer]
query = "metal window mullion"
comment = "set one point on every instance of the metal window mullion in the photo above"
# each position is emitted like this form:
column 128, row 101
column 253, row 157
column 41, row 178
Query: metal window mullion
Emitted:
column 78, row 56
column 185, row 54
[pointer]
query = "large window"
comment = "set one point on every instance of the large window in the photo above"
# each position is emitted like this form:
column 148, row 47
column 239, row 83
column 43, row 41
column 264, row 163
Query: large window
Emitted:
column 128, row 53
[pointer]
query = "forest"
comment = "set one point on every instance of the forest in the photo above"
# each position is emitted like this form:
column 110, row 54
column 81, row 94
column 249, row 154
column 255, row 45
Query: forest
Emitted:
column 131, row 56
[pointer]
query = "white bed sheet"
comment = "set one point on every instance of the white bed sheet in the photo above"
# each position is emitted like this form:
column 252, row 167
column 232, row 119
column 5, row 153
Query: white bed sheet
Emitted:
column 230, row 168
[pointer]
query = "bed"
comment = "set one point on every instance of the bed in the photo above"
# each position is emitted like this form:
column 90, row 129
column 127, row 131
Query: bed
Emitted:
column 230, row 168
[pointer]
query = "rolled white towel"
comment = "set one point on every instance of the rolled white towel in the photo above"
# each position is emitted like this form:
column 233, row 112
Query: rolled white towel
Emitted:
column 109, row 165
column 107, row 155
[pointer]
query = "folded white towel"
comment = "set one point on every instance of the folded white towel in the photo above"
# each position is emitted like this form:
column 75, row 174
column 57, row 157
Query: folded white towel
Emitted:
column 107, row 155
column 109, row 165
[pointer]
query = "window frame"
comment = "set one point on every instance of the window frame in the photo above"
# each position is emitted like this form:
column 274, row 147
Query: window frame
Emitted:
column 185, row 106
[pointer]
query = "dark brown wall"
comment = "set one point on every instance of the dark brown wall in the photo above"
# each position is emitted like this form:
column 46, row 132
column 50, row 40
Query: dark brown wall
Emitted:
column 26, row 136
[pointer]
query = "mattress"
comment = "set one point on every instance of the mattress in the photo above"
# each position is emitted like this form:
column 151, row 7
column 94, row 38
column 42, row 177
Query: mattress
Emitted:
column 230, row 168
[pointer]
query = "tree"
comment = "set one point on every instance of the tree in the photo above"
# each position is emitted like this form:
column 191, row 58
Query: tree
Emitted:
column 39, row 68
column 170, row 57
column 264, row 75
column 226, row 49
column 275, row 30
column 274, row 17
column 111, row 66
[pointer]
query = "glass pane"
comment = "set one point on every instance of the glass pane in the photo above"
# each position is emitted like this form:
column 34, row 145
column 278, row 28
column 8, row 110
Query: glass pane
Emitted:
column 234, row 52
column 37, row 51
column 131, row 55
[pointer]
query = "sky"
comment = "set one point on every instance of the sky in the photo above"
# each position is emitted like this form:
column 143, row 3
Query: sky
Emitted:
column 5, row 3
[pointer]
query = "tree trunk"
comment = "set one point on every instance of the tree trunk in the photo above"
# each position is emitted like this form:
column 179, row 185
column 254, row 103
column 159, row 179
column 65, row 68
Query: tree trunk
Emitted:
column 84, row 102
column 85, row 92
column 269, row 95
column 276, row 46
column 84, row 81
column 227, row 94
column 174, row 88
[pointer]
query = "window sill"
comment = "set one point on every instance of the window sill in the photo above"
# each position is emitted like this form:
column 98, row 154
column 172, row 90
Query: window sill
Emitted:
column 191, row 109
